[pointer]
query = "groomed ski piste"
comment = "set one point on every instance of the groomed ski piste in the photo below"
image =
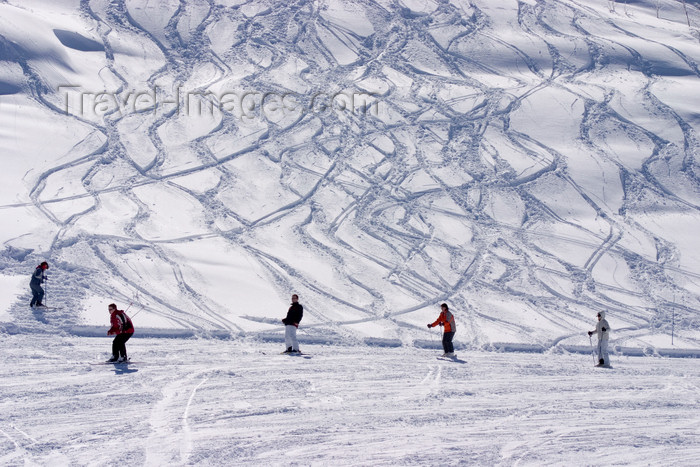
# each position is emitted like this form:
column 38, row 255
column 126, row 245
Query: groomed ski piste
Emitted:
column 529, row 162
column 223, row 402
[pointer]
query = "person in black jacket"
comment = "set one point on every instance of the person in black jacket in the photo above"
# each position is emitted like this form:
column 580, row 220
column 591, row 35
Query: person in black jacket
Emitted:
column 38, row 278
column 291, row 324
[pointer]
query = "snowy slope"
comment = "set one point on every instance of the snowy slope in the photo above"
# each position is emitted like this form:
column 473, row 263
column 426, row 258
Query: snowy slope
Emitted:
column 530, row 163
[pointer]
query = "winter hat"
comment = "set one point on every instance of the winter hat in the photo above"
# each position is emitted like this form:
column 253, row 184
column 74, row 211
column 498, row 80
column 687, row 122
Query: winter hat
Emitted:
column 602, row 314
column 44, row 265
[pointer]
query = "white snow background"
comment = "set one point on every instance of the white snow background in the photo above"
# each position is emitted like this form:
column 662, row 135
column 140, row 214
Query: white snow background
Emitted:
column 528, row 162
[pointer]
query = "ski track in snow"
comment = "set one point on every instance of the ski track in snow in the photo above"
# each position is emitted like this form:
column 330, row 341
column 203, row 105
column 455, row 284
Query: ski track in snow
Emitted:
column 227, row 403
column 165, row 434
column 453, row 192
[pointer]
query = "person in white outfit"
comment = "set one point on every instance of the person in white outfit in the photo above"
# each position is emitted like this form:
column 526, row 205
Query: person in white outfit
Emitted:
column 602, row 328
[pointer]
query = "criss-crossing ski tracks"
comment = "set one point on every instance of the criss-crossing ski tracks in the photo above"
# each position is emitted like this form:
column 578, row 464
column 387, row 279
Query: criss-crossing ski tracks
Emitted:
column 494, row 169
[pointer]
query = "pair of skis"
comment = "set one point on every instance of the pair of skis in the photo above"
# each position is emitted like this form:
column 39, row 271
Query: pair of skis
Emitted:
column 454, row 359
column 117, row 363
column 296, row 354
column 595, row 363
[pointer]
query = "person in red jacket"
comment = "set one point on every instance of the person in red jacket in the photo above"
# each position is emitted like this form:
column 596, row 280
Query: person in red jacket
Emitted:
column 447, row 320
column 124, row 329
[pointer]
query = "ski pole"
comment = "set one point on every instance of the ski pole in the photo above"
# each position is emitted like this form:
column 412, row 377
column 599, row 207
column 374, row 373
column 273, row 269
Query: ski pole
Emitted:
column 590, row 339
column 139, row 310
column 46, row 291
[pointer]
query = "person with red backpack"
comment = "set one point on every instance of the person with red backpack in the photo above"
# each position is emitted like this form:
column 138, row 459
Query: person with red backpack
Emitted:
column 124, row 329
column 447, row 320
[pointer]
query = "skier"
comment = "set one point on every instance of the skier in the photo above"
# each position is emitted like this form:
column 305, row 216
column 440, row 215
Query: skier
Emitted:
column 291, row 324
column 124, row 329
column 446, row 319
column 38, row 278
column 603, row 330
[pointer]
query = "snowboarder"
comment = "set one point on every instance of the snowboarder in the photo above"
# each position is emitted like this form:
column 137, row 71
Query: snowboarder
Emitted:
column 602, row 328
column 447, row 320
column 124, row 329
column 291, row 324
column 38, row 278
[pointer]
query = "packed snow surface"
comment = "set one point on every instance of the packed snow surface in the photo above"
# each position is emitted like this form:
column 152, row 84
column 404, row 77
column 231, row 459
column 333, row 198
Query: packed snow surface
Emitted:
column 219, row 402
column 530, row 163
